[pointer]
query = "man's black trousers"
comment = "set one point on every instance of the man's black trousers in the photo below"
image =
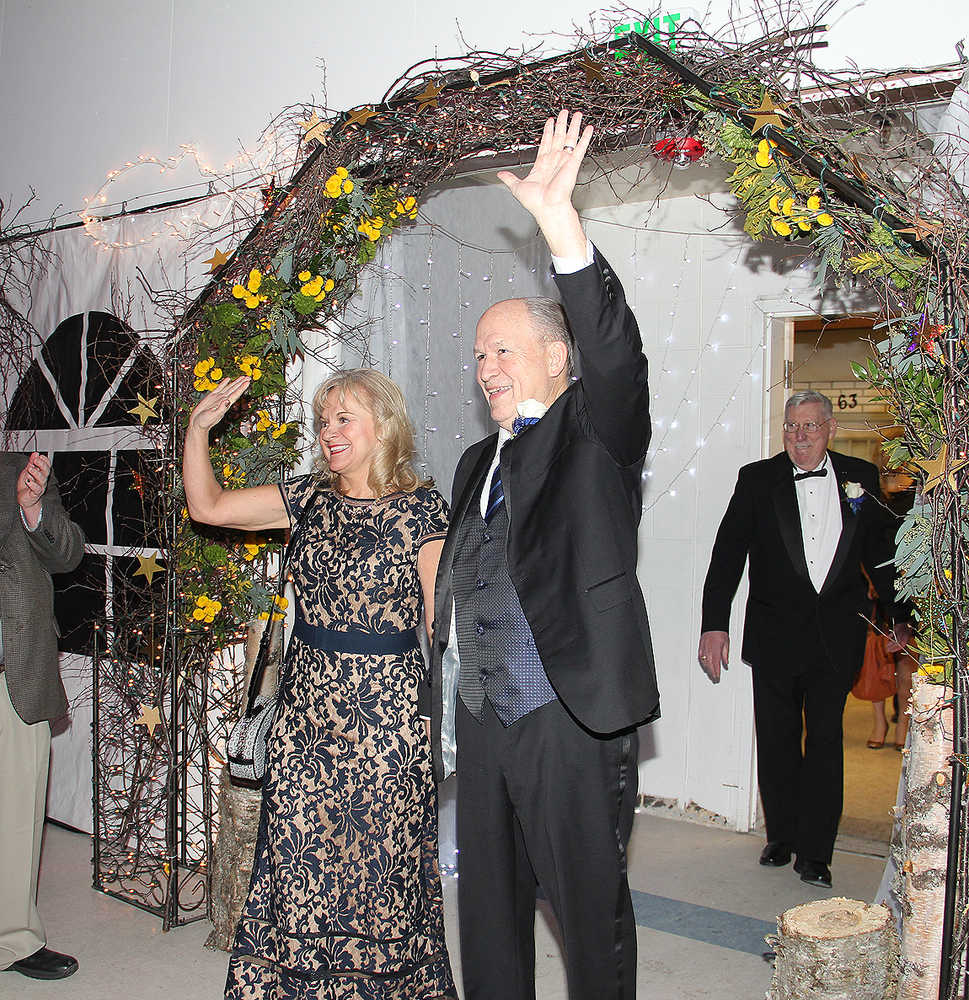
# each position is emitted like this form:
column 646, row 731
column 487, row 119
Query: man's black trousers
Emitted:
column 544, row 802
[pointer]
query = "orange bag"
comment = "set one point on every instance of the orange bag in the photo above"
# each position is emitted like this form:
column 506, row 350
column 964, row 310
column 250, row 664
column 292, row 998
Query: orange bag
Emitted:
column 876, row 679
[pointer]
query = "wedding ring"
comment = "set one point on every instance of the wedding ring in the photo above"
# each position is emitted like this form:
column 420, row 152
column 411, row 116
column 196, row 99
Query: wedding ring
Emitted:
column 569, row 148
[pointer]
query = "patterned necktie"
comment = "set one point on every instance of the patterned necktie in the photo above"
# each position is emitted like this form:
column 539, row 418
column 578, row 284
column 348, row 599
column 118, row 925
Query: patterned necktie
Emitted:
column 807, row 475
column 496, row 493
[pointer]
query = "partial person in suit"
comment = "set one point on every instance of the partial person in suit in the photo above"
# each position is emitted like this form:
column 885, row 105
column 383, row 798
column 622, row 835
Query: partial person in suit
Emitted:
column 808, row 520
column 537, row 593
column 37, row 538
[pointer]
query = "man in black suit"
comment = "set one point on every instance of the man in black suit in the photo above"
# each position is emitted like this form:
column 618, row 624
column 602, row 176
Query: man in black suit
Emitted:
column 37, row 538
column 809, row 521
column 537, row 591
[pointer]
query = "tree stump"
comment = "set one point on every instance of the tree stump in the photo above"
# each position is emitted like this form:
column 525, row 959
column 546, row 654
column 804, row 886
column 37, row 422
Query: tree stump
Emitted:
column 238, row 821
column 232, row 858
column 835, row 949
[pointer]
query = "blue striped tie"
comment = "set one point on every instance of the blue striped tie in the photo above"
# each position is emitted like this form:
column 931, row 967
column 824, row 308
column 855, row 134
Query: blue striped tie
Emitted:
column 496, row 495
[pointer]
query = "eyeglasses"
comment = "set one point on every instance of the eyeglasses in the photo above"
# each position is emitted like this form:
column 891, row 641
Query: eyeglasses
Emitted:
column 809, row 426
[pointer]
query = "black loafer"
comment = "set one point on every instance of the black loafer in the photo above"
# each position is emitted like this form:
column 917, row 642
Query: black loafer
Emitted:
column 813, row 872
column 45, row 964
column 776, row 854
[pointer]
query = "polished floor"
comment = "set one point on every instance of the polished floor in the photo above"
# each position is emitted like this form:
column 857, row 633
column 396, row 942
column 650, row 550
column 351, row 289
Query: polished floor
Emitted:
column 703, row 906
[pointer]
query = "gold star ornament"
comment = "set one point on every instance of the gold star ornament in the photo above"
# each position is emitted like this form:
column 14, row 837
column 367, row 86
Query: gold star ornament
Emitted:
column 216, row 260
column 315, row 130
column 427, row 98
column 145, row 408
column 768, row 113
column 150, row 718
column 148, row 566
column 360, row 116
column 592, row 69
column 935, row 470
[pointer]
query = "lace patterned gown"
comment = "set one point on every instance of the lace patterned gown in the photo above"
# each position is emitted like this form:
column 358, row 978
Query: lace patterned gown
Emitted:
column 345, row 900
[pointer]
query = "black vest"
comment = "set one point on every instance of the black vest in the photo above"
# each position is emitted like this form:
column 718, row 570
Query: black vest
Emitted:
column 498, row 655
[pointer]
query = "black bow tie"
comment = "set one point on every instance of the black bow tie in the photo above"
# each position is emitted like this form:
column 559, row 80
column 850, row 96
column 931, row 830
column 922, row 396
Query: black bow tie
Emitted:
column 807, row 475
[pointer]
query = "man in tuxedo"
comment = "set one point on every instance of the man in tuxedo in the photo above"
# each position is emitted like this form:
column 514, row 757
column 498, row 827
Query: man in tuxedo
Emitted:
column 809, row 520
column 537, row 593
column 37, row 538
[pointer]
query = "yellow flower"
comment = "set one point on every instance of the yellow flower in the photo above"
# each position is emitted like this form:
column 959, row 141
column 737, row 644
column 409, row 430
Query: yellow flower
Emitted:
column 264, row 324
column 250, row 365
column 824, row 219
column 264, row 422
column 814, row 202
column 347, row 187
column 255, row 280
column 313, row 287
column 202, row 367
column 774, row 205
column 304, row 275
column 330, row 285
column 763, row 157
column 206, row 609
column 240, row 291
column 334, row 184
column 252, row 301
column 780, row 227
column 252, row 549
column 788, row 207
column 280, row 603
column 803, row 225
column 410, row 206
column 280, row 430
column 227, row 471
column 206, row 375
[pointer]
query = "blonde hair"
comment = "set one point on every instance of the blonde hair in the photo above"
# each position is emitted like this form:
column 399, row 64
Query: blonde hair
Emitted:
column 392, row 468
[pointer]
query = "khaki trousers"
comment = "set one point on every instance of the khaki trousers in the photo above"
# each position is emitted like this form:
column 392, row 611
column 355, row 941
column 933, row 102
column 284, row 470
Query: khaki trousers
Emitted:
column 24, row 759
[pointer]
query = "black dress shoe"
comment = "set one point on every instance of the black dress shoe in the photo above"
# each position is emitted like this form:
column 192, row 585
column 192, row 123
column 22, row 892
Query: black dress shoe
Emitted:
column 776, row 854
column 813, row 872
column 45, row 964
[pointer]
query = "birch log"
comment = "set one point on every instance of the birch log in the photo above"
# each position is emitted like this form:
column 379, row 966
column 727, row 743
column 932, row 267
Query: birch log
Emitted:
column 835, row 949
column 925, row 836
column 238, row 812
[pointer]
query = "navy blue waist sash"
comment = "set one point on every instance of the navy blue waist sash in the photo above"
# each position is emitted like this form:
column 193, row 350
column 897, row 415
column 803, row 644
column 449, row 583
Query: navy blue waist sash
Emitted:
column 355, row 640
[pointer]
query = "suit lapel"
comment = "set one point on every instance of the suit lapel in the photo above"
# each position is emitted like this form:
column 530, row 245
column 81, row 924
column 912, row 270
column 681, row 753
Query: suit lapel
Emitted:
column 849, row 523
column 788, row 516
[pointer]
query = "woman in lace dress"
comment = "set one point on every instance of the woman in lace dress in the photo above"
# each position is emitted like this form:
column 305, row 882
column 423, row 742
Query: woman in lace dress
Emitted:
column 345, row 900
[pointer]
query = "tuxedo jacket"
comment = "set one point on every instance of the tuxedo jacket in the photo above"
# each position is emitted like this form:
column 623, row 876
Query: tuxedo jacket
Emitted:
column 788, row 625
column 572, row 486
column 27, row 559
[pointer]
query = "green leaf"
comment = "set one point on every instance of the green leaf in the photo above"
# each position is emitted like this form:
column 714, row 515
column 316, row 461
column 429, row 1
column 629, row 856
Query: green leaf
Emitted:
column 858, row 370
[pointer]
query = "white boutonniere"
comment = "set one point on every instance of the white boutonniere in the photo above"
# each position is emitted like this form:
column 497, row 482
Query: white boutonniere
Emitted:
column 531, row 408
column 855, row 495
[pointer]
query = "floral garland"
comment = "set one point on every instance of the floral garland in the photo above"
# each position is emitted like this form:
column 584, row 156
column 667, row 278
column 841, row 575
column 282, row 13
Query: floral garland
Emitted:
column 253, row 332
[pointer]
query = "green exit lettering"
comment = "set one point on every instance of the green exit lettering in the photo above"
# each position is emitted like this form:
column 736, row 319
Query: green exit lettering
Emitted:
column 656, row 29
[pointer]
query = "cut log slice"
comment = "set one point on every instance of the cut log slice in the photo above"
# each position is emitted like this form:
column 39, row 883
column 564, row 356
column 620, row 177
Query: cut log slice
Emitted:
column 835, row 949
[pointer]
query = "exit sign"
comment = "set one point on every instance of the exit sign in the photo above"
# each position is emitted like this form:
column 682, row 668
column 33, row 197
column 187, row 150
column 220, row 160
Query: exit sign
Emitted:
column 656, row 29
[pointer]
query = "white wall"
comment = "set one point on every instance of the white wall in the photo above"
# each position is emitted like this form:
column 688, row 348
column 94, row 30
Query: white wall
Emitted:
column 86, row 85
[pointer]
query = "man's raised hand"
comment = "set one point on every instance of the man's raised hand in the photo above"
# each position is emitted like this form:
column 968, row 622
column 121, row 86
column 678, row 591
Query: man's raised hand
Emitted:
column 546, row 191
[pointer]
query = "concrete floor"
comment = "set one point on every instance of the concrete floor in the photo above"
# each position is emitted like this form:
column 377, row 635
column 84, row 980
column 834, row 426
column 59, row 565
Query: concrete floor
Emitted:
column 703, row 906
column 702, row 903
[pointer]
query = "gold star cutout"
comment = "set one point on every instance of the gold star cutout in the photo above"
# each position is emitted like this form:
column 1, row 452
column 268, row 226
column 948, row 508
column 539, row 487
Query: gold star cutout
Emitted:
column 768, row 113
column 145, row 408
column 857, row 169
column 216, row 260
column 314, row 129
column 935, row 471
column 150, row 718
column 428, row 97
column 360, row 116
column 920, row 228
column 148, row 566
column 592, row 69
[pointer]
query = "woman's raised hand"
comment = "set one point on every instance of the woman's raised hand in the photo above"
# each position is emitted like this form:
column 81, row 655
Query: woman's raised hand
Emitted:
column 214, row 405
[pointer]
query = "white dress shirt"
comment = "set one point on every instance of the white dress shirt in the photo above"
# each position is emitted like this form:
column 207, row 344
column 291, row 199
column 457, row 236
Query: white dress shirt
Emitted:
column 820, row 508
